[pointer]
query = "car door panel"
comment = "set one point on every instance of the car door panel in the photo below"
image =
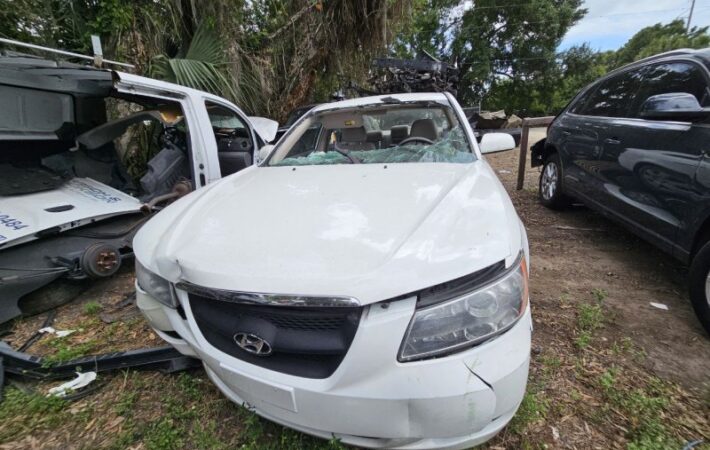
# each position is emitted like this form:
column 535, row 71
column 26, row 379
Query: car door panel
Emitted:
column 577, row 138
column 650, row 179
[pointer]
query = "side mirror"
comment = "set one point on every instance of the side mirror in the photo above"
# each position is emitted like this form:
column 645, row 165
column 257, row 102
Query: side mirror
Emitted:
column 496, row 142
column 264, row 153
column 679, row 106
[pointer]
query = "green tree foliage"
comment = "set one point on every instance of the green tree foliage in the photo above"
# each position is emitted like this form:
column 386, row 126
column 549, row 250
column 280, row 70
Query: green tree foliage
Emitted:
column 267, row 55
column 198, row 66
column 660, row 38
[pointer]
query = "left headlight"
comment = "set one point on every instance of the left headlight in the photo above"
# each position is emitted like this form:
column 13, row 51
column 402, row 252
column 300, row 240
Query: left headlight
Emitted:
column 469, row 319
column 159, row 288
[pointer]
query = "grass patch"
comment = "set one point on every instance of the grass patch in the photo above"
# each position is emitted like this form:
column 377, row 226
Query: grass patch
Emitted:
column 22, row 413
column 590, row 317
column 164, row 435
column 533, row 408
column 66, row 351
column 643, row 408
column 599, row 294
column 92, row 308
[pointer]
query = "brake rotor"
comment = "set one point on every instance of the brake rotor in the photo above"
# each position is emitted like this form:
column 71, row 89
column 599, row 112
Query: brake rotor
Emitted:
column 100, row 260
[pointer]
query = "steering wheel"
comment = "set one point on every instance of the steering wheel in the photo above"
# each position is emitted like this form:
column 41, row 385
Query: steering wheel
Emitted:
column 417, row 139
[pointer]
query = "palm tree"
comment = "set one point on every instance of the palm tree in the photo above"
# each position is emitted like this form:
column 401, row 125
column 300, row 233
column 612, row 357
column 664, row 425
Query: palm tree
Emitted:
column 198, row 66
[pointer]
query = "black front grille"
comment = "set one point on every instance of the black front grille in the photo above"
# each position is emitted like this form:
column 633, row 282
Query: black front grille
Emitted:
column 307, row 342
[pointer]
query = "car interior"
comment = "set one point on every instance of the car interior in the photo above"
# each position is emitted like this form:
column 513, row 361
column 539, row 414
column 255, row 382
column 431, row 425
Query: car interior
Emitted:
column 53, row 131
column 235, row 146
column 395, row 133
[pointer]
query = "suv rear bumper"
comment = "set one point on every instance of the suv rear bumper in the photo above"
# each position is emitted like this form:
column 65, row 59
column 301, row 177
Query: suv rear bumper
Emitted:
column 372, row 400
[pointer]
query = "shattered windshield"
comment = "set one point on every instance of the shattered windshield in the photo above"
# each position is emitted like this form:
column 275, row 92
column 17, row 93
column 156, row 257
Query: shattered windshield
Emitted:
column 399, row 133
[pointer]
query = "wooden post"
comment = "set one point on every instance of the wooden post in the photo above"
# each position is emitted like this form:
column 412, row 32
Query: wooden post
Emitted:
column 523, row 157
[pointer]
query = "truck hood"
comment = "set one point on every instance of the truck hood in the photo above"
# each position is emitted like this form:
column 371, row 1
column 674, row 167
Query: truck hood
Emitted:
column 76, row 202
column 367, row 231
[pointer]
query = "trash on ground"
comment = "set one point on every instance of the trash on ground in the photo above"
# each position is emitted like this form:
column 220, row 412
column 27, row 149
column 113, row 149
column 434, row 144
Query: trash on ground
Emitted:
column 58, row 333
column 81, row 380
column 659, row 306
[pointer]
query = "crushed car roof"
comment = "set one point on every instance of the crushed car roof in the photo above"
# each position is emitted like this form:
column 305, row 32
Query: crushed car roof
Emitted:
column 363, row 101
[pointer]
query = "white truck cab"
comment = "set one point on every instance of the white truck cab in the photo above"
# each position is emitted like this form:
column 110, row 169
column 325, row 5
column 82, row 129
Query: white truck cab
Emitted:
column 88, row 155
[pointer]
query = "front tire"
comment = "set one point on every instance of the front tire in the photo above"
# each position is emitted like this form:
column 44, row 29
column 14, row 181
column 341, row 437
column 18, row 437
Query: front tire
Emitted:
column 550, row 184
column 699, row 281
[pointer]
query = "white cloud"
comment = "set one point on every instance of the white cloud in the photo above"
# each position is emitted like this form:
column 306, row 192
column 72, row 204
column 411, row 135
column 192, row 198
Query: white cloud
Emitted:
column 610, row 23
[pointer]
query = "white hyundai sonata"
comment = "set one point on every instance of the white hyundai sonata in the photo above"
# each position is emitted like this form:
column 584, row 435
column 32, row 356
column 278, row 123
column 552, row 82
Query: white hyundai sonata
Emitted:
column 366, row 281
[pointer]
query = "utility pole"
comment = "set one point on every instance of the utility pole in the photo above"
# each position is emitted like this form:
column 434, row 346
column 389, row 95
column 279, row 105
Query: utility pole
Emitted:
column 690, row 16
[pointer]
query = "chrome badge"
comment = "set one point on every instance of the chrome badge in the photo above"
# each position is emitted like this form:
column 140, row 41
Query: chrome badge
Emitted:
column 253, row 344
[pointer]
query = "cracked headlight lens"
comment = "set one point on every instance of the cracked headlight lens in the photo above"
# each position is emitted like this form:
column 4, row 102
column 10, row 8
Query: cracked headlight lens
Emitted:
column 159, row 288
column 468, row 319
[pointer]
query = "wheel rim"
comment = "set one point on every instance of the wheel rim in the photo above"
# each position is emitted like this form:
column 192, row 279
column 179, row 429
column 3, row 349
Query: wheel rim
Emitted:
column 548, row 182
column 707, row 289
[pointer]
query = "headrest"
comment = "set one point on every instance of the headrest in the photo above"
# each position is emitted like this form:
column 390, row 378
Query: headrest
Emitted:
column 399, row 132
column 374, row 136
column 353, row 134
column 425, row 128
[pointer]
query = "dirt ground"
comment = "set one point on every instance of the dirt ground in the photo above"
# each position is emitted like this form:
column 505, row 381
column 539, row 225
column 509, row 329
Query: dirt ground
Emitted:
column 609, row 370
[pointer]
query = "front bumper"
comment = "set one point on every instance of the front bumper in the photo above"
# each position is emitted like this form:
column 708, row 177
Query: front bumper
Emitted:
column 372, row 400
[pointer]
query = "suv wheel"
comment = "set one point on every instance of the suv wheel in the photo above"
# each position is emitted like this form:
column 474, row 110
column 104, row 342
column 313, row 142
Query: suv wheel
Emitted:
column 699, row 281
column 550, row 184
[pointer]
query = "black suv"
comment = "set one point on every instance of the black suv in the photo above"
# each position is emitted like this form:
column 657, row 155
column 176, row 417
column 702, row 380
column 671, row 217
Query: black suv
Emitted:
column 635, row 146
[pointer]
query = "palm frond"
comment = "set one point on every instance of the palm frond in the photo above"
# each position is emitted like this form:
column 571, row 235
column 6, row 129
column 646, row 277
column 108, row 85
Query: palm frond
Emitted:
column 199, row 69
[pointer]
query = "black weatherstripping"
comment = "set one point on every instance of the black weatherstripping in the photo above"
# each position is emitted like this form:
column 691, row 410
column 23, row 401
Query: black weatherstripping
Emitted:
column 310, row 342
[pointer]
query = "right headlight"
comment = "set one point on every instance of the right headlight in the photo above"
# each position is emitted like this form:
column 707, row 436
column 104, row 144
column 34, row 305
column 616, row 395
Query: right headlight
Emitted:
column 159, row 288
column 468, row 319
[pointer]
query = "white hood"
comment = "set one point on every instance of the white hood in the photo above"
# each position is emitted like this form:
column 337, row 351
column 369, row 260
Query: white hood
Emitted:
column 75, row 203
column 367, row 231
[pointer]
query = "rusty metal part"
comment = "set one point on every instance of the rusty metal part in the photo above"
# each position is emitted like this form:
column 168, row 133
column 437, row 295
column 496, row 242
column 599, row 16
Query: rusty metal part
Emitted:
column 181, row 188
column 100, row 260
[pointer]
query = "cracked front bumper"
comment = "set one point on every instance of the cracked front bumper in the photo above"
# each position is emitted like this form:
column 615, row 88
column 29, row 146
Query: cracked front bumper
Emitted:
column 372, row 400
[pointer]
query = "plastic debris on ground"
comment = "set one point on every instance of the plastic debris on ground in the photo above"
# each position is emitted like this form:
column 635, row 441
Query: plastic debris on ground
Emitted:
column 58, row 333
column 659, row 306
column 81, row 380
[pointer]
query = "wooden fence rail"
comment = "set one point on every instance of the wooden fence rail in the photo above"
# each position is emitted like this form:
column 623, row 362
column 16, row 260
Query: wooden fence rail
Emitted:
column 528, row 123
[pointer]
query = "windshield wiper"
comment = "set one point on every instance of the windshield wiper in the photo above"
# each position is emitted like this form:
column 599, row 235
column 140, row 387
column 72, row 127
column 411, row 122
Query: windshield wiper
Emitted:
column 353, row 160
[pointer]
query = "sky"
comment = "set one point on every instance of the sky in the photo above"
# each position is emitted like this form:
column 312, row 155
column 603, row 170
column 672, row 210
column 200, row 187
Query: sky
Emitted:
column 610, row 23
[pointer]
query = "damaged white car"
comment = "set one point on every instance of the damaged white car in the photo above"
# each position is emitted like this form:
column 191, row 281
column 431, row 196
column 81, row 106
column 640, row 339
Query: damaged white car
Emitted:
column 367, row 281
column 88, row 155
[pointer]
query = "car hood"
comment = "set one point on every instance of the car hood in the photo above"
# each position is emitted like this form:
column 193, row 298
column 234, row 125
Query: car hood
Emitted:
column 367, row 231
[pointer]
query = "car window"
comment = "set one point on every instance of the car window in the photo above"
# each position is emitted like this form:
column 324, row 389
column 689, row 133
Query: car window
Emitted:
column 224, row 121
column 613, row 96
column 674, row 77
column 580, row 103
column 406, row 133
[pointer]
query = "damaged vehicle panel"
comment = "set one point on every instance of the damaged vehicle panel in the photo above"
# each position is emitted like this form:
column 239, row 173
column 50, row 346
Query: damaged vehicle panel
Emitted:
column 381, row 266
column 88, row 155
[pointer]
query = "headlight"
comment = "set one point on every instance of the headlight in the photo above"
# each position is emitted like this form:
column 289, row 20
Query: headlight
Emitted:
column 468, row 319
column 159, row 288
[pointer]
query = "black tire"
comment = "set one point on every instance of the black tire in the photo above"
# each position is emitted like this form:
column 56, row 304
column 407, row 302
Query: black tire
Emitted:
column 697, row 280
column 51, row 296
column 549, row 188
